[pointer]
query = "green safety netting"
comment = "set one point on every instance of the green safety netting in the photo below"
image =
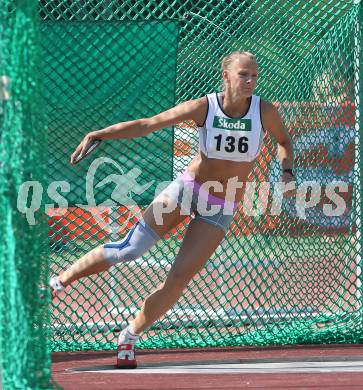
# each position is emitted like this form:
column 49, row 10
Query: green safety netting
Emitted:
column 82, row 65
column 24, row 316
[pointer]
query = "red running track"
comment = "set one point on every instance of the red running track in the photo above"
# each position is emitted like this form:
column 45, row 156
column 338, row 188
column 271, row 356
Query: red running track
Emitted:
column 64, row 365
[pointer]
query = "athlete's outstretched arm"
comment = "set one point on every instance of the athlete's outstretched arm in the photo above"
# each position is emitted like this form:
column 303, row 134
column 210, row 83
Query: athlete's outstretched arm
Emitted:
column 195, row 110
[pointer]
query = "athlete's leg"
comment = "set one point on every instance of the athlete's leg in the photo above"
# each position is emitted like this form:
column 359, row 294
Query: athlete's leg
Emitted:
column 200, row 242
column 95, row 261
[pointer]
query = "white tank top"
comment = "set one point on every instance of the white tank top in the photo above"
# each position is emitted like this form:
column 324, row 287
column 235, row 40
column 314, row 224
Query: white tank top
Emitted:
column 226, row 138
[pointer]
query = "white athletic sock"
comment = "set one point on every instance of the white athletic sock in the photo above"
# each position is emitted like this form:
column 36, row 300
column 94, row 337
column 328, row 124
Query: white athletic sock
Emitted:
column 127, row 336
column 131, row 330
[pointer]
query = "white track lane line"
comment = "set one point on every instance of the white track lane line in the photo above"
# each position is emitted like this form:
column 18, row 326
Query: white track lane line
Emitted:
column 233, row 368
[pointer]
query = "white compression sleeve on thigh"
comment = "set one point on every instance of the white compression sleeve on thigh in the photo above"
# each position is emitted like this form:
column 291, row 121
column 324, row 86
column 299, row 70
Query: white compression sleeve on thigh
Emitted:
column 137, row 242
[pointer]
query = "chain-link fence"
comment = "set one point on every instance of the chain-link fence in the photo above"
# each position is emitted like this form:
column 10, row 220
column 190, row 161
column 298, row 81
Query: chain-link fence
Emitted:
column 274, row 279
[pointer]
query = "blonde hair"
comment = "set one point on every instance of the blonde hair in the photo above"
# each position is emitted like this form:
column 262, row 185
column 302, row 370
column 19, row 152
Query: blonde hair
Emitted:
column 231, row 57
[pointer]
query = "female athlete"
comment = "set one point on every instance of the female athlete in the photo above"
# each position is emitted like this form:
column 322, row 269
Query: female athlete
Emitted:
column 231, row 127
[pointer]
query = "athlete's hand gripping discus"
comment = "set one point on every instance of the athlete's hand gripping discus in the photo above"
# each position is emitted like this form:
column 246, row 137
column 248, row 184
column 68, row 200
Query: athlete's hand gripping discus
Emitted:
column 84, row 151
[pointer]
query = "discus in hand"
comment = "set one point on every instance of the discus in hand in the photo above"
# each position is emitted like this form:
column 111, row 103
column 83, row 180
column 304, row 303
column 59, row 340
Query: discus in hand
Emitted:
column 91, row 147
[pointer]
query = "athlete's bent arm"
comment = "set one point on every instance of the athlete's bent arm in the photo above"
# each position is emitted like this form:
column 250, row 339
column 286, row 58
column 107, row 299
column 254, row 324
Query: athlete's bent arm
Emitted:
column 272, row 122
column 190, row 110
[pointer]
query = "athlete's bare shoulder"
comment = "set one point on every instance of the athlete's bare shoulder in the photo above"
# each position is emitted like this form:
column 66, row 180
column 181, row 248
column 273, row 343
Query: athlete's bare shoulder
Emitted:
column 269, row 114
column 201, row 110
column 272, row 122
column 268, row 108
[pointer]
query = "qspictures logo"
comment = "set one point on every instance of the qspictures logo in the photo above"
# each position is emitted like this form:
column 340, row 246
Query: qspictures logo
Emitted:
column 232, row 124
column 258, row 197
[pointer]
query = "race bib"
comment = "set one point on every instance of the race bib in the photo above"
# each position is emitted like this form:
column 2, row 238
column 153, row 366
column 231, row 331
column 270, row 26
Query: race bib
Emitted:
column 229, row 137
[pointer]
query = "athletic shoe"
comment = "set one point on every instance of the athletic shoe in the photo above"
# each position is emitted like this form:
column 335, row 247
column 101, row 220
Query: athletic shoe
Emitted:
column 126, row 356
